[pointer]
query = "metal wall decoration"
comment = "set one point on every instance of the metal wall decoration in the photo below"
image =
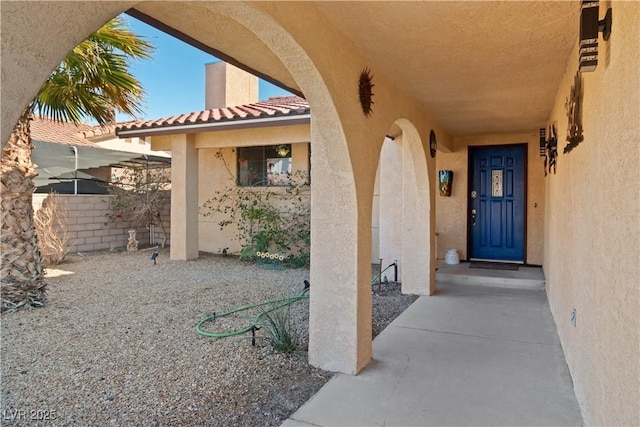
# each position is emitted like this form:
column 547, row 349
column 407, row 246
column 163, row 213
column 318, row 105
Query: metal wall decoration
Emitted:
column 445, row 179
column 574, row 114
column 551, row 151
column 433, row 144
column 365, row 90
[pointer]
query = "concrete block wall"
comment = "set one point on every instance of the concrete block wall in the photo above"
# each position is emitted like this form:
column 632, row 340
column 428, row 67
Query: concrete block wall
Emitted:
column 91, row 228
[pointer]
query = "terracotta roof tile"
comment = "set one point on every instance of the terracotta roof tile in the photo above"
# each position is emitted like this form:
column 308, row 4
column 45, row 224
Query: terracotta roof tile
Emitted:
column 46, row 130
column 280, row 106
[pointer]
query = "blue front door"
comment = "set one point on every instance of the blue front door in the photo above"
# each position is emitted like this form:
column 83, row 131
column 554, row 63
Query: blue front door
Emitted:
column 497, row 203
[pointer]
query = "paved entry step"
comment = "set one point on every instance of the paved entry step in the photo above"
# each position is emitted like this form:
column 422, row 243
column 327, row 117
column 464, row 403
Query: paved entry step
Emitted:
column 461, row 274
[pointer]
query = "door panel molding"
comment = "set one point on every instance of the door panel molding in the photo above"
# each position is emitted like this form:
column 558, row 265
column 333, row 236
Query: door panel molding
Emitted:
column 507, row 234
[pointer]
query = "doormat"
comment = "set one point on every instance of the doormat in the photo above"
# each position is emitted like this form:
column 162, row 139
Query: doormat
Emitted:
column 493, row 266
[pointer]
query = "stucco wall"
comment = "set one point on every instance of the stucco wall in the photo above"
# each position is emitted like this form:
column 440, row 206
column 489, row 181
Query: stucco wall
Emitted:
column 226, row 86
column 451, row 212
column 217, row 175
column 592, row 234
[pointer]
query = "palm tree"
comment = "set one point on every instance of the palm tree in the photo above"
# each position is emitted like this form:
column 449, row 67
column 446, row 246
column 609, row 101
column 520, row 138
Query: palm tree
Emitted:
column 93, row 81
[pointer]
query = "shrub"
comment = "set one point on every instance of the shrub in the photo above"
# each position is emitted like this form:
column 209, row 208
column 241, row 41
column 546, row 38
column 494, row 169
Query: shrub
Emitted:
column 268, row 219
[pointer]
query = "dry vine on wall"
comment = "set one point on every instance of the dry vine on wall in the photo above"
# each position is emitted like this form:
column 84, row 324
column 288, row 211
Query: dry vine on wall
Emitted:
column 52, row 226
column 138, row 196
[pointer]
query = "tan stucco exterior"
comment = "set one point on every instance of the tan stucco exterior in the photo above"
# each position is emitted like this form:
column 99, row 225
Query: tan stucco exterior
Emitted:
column 217, row 174
column 589, row 243
column 226, row 86
column 592, row 230
column 215, row 177
column 184, row 204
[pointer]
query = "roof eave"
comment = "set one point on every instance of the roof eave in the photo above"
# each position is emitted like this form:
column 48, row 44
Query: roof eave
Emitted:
column 298, row 119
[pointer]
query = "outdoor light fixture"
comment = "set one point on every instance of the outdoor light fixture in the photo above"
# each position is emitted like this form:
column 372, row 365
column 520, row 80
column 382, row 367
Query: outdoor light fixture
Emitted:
column 543, row 142
column 590, row 26
column 282, row 150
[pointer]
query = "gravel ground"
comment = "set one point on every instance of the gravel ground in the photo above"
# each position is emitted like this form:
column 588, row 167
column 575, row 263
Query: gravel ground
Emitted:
column 116, row 345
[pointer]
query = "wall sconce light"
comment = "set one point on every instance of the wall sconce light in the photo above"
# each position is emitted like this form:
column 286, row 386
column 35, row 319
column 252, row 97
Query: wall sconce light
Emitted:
column 282, row 150
column 590, row 26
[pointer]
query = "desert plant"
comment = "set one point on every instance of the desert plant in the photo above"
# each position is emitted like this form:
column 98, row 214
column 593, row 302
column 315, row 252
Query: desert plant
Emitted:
column 138, row 196
column 279, row 330
column 52, row 226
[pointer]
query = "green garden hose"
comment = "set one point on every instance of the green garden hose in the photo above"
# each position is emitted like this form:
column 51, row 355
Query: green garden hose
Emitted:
column 275, row 303
column 377, row 276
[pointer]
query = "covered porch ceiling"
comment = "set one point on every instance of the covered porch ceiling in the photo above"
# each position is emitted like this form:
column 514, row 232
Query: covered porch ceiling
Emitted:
column 482, row 67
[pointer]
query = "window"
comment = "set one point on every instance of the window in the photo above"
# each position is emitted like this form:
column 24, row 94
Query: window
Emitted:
column 263, row 166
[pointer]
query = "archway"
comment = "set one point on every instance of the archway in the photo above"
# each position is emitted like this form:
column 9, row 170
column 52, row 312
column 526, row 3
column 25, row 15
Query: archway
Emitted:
column 340, row 328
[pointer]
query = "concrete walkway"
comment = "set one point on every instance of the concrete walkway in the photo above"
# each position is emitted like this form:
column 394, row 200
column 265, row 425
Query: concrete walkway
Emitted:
column 470, row 355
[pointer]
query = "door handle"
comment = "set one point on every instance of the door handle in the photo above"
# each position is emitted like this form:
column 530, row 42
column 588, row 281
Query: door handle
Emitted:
column 473, row 217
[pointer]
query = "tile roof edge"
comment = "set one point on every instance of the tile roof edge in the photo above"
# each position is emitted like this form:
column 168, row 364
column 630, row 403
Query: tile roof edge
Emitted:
column 293, row 104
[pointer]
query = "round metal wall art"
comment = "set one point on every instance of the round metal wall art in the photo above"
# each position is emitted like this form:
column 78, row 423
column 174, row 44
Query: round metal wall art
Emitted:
column 365, row 90
column 433, row 144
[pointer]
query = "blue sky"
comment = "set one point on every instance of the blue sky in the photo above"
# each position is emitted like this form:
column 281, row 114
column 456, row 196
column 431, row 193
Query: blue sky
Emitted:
column 173, row 78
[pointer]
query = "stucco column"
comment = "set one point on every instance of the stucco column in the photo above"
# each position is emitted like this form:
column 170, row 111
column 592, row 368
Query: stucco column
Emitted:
column 340, row 300
column 391, row 176
column 184, row 198
column 418, row 276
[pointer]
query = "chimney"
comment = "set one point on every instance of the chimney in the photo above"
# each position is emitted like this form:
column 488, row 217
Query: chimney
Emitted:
column 228, row 86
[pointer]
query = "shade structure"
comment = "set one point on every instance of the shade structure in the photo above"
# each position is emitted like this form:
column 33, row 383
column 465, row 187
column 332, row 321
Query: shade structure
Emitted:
column 56, row 162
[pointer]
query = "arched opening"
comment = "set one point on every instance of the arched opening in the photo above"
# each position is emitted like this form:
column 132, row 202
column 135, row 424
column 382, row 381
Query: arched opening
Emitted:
column 338, row 330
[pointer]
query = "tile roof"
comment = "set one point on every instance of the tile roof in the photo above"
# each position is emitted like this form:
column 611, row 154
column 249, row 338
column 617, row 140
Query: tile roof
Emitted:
column 282, row 106
column 47, row 130
column 100, row 131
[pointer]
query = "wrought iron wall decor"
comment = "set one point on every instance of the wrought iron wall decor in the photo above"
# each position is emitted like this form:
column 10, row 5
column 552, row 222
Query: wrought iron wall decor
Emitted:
column 551, row 151
column 574, row 114
column 365, row 91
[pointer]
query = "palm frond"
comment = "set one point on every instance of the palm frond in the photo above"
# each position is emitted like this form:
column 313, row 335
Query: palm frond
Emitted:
column 95, row 79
